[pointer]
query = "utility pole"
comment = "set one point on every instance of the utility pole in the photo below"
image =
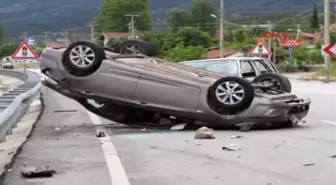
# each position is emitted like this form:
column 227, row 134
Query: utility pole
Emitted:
column 270, row 40
column 327, row 58
column 45, row 38
column 221, row 42
column 66, row 38
column 92, row 26
column 24, row 61
column 298, row 30
column 132, row 23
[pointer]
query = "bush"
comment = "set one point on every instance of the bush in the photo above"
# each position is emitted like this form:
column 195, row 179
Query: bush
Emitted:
column 181, row 53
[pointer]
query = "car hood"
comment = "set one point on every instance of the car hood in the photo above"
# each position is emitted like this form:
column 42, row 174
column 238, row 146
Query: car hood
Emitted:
column 173, row 69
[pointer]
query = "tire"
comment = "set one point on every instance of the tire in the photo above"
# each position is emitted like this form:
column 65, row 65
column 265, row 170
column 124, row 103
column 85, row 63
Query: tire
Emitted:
column 95, row 54
column 282, row 83
column 143, row 47
column 243, row 86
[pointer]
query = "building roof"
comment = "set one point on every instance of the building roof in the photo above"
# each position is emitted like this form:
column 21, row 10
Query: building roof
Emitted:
column 110, row 35
column 215, row 53
column 56, row 44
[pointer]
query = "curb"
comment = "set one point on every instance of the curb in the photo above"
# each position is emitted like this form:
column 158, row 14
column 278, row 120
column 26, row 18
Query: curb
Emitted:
column 19, row 136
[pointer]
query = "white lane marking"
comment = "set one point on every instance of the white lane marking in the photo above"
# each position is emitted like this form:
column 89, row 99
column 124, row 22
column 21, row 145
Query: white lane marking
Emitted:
column 116, row 169
column 329, row 122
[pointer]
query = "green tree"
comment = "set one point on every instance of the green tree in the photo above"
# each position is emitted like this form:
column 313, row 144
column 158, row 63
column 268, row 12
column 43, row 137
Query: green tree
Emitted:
column 201, row 11
column 240, row 35
column 315, row 20
column 190, row 36
column 186, row 36
column 333, row 37
column 178, row 18
column 112, row 15
column 1, row 32
column 181, row 53
column 8, row 49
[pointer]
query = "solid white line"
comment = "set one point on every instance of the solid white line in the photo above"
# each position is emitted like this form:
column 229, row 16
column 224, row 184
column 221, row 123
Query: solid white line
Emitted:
column 116, row 169
column 329, row 122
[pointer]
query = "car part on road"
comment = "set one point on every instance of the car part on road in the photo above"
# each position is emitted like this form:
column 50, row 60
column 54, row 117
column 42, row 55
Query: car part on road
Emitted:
column 34, row 172
column 278, row 81
column 232, row 147
column 83, row 58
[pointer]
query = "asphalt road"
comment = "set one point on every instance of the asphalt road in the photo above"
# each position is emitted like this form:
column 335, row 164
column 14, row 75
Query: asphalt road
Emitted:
column 299, row 156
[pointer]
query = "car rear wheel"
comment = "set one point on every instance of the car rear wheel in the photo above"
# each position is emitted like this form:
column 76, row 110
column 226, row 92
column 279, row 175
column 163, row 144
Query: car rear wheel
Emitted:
column 83, row 58
column 278, row 81
column 231, row 94
column 136, row 46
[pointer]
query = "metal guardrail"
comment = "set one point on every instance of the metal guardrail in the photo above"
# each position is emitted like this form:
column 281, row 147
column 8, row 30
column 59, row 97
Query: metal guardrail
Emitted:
column 15, row 103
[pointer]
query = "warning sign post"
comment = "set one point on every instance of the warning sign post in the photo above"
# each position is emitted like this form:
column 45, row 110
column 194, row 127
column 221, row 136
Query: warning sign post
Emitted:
column 260, row 49
column 24, row 52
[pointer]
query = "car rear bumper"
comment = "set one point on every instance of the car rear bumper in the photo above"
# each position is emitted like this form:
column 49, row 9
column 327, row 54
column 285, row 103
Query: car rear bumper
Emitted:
column 273, row 113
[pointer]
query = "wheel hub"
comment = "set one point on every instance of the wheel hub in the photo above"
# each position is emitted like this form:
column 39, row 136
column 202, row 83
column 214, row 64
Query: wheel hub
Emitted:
column 230, row 93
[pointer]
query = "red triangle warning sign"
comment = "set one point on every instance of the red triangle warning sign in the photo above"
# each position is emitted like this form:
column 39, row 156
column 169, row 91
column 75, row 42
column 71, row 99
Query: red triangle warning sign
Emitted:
column 24, row 51
column 260, row 49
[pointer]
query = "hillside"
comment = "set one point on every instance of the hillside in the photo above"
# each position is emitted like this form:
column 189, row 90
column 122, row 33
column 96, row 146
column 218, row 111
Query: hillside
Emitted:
column 36, row 16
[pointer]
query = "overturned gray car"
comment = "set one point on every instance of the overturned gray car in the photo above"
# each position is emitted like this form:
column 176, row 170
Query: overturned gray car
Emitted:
column 135, row 88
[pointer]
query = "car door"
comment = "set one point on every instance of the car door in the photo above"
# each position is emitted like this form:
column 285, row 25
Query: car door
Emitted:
column 157, row 90
column 115, row 81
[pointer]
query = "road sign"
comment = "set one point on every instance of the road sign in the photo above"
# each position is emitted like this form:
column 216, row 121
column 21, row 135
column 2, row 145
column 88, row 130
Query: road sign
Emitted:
column 290, row 43
column 329, row 49
column 24, row 51
column 260, row 49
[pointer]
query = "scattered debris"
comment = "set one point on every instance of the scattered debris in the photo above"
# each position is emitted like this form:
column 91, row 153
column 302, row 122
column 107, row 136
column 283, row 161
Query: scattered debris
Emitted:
column 235, row 137
column 59, row 111
column 178, row 127
column 34, row 172
column 232, row 147
column 204, row 133
column 309, row 164
column 101, row 134
column 245, row 126
column 278, row 145
column 333, row 156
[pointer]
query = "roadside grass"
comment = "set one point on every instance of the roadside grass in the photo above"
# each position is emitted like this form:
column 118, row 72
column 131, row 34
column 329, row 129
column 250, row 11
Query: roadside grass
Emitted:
column 28, row 66
column 320, row 74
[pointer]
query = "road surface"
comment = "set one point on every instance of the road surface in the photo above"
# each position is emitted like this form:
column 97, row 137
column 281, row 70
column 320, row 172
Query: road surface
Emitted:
column 67, row 142
column 7, row 83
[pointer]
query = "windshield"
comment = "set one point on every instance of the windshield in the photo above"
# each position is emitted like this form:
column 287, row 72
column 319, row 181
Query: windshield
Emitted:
column 225, row 67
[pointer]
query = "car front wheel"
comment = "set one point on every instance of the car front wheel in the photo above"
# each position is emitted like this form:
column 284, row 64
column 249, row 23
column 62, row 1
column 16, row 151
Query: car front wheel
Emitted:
column 231, row 94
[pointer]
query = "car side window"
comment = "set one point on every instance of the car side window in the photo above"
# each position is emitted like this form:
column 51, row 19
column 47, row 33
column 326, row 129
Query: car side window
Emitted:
column 261, row 66
column 246, row 67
